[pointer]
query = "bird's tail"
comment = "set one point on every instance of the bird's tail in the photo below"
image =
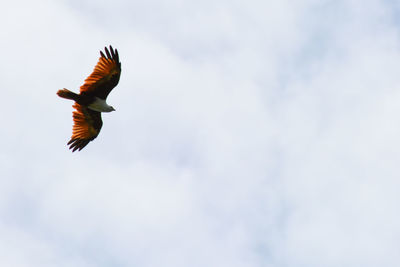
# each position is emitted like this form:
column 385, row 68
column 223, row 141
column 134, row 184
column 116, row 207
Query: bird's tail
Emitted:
column 65, row 93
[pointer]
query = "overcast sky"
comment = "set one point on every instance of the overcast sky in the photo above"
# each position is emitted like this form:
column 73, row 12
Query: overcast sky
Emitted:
column 246, row 134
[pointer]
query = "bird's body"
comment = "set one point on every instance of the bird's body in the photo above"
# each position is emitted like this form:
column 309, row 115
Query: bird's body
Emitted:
column 100, row 105
column 91, row 100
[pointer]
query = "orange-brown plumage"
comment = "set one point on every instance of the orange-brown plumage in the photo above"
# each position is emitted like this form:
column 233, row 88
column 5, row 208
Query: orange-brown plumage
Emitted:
column 90, row 102
column 105, row 75
column 87, row 125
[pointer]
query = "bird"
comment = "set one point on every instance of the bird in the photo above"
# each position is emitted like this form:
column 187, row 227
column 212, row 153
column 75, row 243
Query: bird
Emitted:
column 91, row 100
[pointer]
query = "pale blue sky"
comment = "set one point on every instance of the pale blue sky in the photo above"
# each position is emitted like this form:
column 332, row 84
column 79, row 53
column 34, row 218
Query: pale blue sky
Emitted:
column 247, row 134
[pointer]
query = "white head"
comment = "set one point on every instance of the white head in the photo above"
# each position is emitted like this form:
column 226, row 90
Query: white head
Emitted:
column 100, row 105
column 107, row 109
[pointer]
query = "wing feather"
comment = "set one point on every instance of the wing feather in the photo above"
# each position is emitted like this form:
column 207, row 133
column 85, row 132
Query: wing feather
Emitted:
column 87, row 126
column 105, row 75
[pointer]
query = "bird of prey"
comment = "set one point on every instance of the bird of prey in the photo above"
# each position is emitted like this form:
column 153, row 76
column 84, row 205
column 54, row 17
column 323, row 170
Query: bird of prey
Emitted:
column 91, row 100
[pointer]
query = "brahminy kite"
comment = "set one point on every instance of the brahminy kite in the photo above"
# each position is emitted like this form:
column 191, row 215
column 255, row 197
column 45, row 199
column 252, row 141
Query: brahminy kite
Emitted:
column 91, row 100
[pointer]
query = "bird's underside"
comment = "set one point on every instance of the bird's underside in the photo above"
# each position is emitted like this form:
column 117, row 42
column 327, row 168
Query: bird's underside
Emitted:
column 91, row 100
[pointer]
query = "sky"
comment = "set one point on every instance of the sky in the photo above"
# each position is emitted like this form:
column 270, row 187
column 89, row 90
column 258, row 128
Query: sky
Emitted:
column 246, row 134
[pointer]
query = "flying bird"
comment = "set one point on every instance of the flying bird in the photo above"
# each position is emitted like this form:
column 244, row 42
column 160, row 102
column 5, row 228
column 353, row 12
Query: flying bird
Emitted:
column 91, row 100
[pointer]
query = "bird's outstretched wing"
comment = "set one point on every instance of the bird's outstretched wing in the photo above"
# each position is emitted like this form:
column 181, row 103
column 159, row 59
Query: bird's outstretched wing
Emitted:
column 87, row 125
column 105, row 75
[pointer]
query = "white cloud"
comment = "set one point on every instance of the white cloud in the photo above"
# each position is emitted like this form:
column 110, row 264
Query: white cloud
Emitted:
column 257, row 134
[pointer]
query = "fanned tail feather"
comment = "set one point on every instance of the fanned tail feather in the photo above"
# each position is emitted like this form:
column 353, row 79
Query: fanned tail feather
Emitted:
column 65, row 93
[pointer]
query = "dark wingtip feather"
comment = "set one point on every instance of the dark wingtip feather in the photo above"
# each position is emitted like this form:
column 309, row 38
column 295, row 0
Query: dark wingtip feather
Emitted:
column 112, row 52
column 70, row 141
column 77, row 144
column 107, row 52
column 116, row 55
